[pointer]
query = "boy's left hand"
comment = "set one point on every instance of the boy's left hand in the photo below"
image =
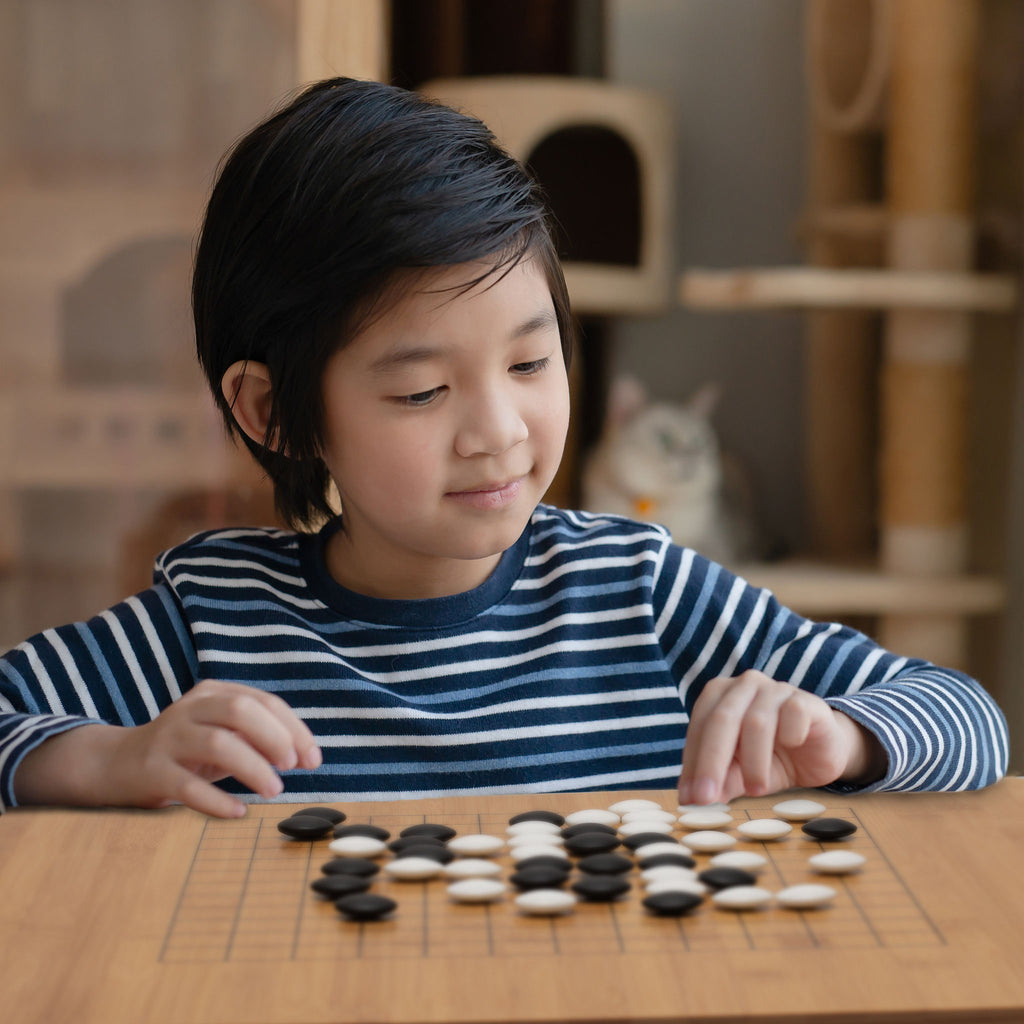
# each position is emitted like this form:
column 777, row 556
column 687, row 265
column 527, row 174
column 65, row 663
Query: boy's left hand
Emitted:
column 751, row 735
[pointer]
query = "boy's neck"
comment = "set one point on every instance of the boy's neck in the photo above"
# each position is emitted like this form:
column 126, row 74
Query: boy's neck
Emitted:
column 359, row 571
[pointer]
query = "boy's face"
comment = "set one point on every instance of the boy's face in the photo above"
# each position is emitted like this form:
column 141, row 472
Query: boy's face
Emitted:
column 445, row 421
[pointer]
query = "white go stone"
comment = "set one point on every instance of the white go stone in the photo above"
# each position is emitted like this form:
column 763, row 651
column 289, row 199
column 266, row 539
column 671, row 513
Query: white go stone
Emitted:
column 357, row 846
column 764, row 828
column 837, row 862
column 745, row 860
column 477, row 890
column 545, row 902
column 695, row 821
column 680, row 884
column 799, row 810
column 709, row 841
column 537, row 839
column 538, row 850
column 476, row 844
column 533, row 828
column 653, row 849
column 412, row 869
column 594, row 815
column 742, row 897
column 806, row 896
column 625, row 806
column 649, row 814
column 634, row 828
column 686, row 808
column 471, row 867
column 667, row 871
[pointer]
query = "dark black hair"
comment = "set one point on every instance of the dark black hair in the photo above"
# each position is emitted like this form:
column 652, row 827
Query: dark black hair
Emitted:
column 314, row 216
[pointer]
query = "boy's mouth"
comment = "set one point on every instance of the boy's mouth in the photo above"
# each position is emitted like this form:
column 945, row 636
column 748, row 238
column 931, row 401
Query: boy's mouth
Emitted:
column 490, row 495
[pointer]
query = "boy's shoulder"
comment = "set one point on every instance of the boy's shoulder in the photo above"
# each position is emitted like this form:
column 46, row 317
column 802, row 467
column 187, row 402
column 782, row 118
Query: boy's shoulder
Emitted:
column 242, row 546
column 558, row 525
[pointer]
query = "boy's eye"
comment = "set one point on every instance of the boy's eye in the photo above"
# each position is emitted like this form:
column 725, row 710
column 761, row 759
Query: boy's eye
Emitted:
column 421, row 397
column 534, row 366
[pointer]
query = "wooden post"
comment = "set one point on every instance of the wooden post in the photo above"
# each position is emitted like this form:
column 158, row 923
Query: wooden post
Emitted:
column 845, row 45
column 925, row 376
column 348, row 38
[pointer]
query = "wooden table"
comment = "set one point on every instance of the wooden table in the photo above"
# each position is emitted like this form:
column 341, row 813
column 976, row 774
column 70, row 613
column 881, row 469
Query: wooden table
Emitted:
column 129, row 917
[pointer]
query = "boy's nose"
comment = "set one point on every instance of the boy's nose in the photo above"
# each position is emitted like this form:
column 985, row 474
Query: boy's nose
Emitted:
column 490, row 426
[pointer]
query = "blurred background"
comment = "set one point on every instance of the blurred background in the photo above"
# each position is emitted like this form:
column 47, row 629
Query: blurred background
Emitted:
column 813, row 206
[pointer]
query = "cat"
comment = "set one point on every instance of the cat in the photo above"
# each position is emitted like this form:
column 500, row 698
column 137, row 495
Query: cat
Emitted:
column 661, row 462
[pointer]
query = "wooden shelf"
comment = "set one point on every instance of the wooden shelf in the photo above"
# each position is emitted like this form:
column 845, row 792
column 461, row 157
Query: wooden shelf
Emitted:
column 813, row 588
column 113, row 437
column 819, row 288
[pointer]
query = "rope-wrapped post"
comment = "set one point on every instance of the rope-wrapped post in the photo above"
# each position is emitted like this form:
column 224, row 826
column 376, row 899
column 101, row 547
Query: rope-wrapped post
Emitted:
column 924, row 419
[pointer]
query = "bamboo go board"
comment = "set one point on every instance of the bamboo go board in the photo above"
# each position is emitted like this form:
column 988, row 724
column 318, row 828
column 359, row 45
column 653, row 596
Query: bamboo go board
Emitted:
column 169, row 916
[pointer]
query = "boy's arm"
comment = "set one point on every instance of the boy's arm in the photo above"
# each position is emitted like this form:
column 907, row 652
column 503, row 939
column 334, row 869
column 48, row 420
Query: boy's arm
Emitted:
column 937, row 728
column 751, row 735
column 215, row 730
column 108, row 712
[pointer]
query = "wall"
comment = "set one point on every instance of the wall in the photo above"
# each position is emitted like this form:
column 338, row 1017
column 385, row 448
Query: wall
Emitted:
column 733, row 70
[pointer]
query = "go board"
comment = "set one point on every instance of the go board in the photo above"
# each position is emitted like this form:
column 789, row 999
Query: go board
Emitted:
column 246, row 897
column 127, row 916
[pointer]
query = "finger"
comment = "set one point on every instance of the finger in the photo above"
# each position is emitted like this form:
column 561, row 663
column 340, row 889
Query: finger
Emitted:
column 719, row 735
column 795, row 720
column 713, row 691
column 261, row 719
column 203, row 796
column 216, row 752
column 758, row 734
column 304, row 743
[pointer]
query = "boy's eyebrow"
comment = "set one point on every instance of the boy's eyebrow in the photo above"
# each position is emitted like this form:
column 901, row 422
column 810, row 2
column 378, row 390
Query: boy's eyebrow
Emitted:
column 399, row 356
column 542, row 321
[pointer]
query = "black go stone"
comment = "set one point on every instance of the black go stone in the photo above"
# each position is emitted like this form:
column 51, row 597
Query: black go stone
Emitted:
column 401, row 845
column 333, row 887
column 431, row 851
column 539, row 877
column 601, row 887
column 646, row 838
column 544, row 861
column 591, row 842
column 587, row 826
column 604, row 864
column 304, row 826
column 826, row 829
column 372, row 831
column 551, row 816
column 681, row 859
column 672, row 904
column 365, row 906
column 723, row 878
column 332, row 814
column 350, row 866
column 428, row 830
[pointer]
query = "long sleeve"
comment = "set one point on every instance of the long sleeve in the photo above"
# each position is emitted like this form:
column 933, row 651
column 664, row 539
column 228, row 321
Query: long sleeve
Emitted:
column 939, row 728
column 122, row 667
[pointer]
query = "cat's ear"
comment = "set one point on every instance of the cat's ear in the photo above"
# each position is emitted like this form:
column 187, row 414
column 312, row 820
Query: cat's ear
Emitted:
column 704, row 400
column 626, row 397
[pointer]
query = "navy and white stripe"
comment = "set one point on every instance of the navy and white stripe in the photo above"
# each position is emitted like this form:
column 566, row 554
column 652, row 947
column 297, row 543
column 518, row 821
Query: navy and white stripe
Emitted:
column 574, row 666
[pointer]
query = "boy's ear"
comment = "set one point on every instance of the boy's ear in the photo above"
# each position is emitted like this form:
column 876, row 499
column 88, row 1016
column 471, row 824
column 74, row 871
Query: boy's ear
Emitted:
column 248, row 391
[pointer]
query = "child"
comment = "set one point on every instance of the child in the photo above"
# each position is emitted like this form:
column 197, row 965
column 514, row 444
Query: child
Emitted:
column 378, row 304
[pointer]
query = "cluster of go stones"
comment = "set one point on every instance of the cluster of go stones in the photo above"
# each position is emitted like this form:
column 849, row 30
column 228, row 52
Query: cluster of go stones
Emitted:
column 591, row 855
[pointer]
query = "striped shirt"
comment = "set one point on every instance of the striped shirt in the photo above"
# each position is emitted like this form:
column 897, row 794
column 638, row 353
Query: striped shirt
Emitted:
column 574, row 666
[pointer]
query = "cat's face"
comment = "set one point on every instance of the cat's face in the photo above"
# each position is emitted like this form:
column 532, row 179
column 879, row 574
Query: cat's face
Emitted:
column 664, row 450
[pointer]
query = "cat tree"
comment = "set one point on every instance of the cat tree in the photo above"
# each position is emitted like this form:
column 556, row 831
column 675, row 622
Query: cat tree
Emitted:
column 916, row 88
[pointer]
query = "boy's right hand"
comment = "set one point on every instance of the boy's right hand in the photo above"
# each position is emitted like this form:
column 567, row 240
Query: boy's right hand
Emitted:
column 215, row 730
